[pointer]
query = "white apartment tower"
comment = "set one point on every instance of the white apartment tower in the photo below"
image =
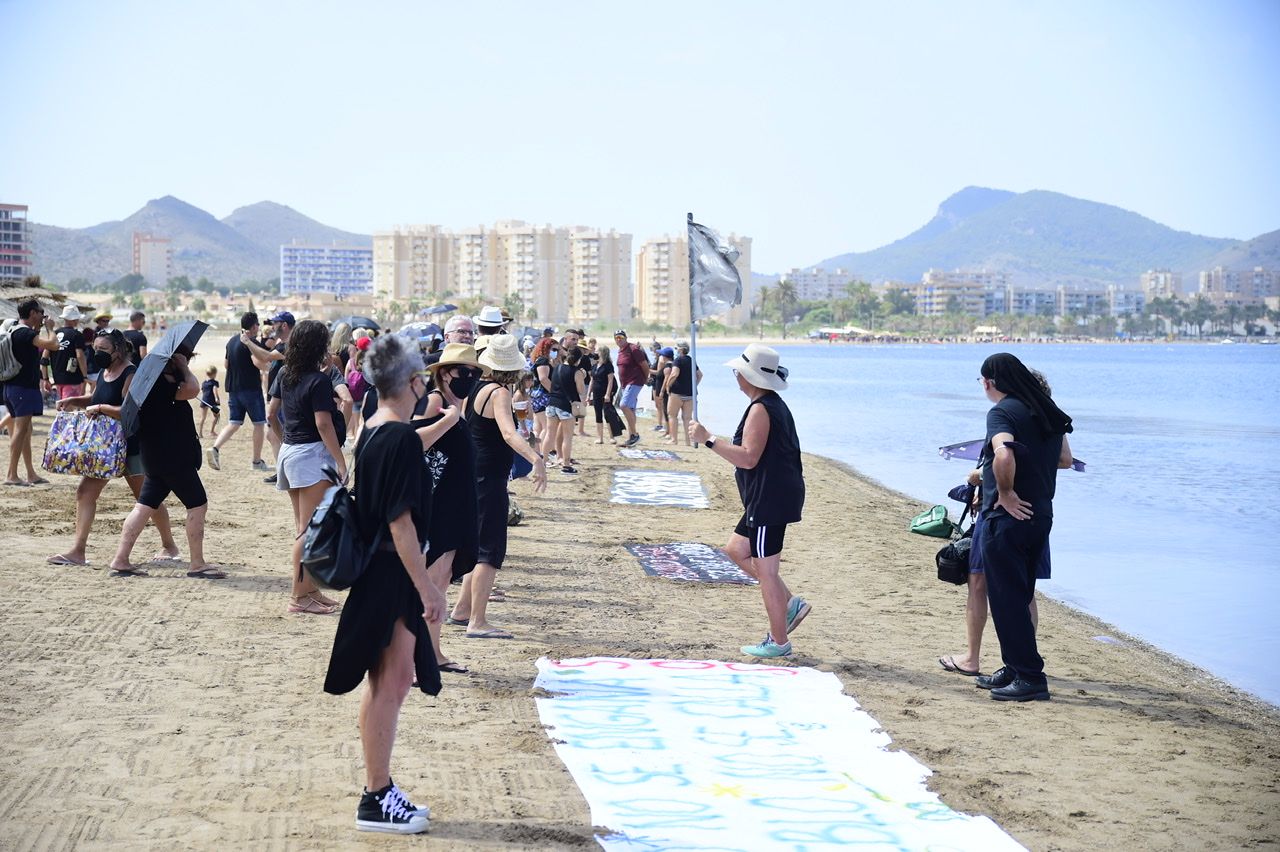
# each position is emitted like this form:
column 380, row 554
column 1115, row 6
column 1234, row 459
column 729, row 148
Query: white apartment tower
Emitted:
column 533, row 263
column 662, row 281
column 412, row 262
column 600, row 276
column 1160, row 284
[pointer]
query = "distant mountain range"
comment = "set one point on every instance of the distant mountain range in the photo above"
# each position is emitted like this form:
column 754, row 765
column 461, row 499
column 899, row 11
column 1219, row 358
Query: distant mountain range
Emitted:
column 1044, row 238
column 243, row 246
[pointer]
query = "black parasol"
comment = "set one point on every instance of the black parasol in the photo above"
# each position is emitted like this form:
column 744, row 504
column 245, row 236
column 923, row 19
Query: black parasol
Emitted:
column 181, row 338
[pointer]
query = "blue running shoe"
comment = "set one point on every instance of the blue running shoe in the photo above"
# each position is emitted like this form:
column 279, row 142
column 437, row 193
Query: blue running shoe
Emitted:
column 797, row 609
column 768, row 648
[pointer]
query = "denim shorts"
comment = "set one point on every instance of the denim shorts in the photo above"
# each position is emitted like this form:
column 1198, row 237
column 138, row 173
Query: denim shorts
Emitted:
column 630, row 396
column 24, row 402
column 247, row 402
column 558, row 413
column 302, row 465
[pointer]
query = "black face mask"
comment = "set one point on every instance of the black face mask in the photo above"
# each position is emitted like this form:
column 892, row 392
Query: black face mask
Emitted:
column 461, row 386
column 101, row 360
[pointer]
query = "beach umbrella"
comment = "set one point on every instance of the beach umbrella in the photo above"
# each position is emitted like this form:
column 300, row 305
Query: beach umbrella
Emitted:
column 972, row 451
column 437, row 309
column 420, row 330
column 361, row 322
column 181, row 338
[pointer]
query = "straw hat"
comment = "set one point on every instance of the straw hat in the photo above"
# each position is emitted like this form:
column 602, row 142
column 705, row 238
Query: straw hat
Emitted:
column 502, row 354
column 456, row 355
column 759, row 366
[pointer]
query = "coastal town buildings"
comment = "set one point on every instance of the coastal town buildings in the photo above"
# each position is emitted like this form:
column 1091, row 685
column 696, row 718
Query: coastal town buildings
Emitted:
column 152, row 258
column 1160, row 284
column 1229, row 287
column 662, row 281
column 600, row 276
column 15, row 244
column 338, row 269
column 818, row 284
column 412, row 262
column 976, row 293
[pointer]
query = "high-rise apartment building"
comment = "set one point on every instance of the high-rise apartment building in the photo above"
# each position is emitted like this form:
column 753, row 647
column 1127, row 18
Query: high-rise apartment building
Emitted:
column 338, row 269
column 413, row 263
column 1083, row 301
column 15, row 244
column 1160, row 284
column 600, row 276
column 818, row 284
column 1225, row 287
column 152, row 258
column 662, row 281
column 533, row 263
column 975, row 293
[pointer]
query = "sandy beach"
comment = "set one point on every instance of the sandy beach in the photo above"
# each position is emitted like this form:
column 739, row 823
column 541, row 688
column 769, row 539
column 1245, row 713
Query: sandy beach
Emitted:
column 179, row 713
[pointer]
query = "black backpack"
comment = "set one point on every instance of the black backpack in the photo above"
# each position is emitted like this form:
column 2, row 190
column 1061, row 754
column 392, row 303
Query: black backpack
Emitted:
column 333, row 551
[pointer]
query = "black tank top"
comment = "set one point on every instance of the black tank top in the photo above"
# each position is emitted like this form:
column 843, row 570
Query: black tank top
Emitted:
column 492, row 451
column 773, row 491
column 112, row 393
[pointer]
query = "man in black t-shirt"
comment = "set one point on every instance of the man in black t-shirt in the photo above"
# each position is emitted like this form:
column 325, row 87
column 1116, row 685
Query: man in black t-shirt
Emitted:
column 136, row 337
column 244, row 396
column 1026, row 445
column 68, row 364
column 271, row 359
column 22, row 392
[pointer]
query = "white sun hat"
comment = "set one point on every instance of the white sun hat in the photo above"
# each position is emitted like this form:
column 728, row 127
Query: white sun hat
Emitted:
column 758, row 364
column 502, row 354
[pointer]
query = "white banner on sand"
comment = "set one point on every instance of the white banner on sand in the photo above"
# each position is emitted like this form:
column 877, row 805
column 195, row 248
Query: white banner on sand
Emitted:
column 658, row 488
column 705, row 755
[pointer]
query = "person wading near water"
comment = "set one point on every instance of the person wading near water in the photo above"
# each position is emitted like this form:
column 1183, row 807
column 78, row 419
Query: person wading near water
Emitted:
column 770, row 476
column 1026, row 445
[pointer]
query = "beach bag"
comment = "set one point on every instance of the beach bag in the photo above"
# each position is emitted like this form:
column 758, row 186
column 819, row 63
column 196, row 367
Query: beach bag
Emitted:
column 933, row 522
column 9, row 364
column 953, row 560
column 575, row 408
column 357, row 384
column 333, row 551
column 81, row 445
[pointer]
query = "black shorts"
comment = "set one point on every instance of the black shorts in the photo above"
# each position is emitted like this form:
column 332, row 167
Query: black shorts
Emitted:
column 184, row 484
column 765, row 541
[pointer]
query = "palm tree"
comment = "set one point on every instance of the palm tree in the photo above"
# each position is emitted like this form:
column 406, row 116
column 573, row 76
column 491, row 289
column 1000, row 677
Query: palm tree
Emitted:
column 764, row 293
column 785, row 296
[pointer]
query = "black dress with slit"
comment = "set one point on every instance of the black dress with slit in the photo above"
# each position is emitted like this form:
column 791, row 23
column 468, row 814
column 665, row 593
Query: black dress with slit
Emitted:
column 389, row 478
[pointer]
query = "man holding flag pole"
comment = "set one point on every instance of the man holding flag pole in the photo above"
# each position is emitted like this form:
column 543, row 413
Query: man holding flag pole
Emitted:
column 765, row 449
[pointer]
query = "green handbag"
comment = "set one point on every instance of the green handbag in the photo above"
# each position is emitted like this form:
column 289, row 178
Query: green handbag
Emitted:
column 933, row 522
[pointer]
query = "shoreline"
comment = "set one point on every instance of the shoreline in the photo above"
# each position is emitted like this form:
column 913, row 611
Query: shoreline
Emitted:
column 200, row 720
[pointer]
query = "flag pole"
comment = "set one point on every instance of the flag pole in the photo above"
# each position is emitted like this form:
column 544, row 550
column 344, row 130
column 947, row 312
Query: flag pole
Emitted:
column 693, row 327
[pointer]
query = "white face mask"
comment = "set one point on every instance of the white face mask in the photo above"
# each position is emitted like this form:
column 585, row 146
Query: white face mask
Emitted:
column 555, row 353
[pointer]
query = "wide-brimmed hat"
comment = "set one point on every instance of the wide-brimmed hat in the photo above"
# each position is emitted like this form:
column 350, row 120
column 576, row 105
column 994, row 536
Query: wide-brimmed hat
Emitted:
column 759, row 366
column 502, row 354
column 456, row 355
column 71, row 312
column 490, row 315
column 482, row 342
column 102, row 316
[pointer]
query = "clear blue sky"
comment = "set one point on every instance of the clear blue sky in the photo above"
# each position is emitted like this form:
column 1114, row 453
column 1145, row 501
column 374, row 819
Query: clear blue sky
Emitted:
column 816, row 128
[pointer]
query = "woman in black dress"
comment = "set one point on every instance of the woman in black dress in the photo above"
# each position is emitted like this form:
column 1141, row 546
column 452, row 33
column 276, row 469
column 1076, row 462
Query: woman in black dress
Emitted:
column 111, row 360
column 493, row 429
column 451, row 459
column 766, row 452
column 604, row 382
column 382, row 631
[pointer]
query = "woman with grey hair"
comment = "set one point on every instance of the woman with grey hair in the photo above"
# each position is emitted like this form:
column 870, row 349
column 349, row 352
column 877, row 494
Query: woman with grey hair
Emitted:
column 383, row 631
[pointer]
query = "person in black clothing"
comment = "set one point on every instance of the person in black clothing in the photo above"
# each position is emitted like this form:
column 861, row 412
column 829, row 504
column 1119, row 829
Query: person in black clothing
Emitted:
column 22, row 392
column 770, row 477
column 69, row 365
column 603, row 384
column 679, row 393
column 137, row 337
column 1026, row 445
column 115, row 373
column 382, row 632
column 567, row 387
column 244, row 395
column 170, row 451
column 451, row 458
column 269, row 355
column 493, row 430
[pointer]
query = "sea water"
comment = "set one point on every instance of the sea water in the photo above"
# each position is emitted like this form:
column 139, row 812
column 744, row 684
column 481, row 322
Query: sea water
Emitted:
column 1172, row 533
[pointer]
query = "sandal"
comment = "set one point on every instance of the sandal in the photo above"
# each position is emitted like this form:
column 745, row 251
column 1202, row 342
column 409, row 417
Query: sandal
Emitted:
column 63, row 559
column 457, row 622
column 39, row 480
column 131, row 571
column 209, row 572
column 453, row 668
column 307, row 605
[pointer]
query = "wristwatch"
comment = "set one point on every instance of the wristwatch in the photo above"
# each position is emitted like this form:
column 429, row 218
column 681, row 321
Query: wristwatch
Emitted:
column 710, row 443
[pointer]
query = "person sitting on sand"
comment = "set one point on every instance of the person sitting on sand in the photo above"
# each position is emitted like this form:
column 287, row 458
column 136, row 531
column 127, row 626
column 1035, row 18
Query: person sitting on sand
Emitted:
column 171, row 459
column 110, row 353
column 493, row 429
column 770, row 477
column 382, row 632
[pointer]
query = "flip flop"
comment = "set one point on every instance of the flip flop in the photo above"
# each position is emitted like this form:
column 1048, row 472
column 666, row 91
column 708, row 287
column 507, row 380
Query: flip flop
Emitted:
column 39, row 480
column 18, row 483
column 129, row 572
column 60, row 559
column 453, row 668
column 949, row 664
column 209, row 572
column 491, row 633
column 457, row 622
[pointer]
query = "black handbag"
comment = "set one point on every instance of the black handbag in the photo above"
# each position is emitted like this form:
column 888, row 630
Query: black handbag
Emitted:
column 953, row 561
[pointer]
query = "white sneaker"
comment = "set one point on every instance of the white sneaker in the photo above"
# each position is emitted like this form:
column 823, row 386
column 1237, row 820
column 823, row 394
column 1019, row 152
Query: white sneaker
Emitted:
column 212, row 455
column 262, row 466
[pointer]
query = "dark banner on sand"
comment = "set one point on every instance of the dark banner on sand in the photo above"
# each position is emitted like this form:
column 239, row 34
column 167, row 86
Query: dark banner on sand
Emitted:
column 688, row 561
column 657, row 455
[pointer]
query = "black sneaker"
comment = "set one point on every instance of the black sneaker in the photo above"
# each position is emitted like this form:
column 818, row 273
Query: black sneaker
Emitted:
column 633, row 440
column 419, row 810
column 568, row 469
column 386, row 810
column 270, row 480
column 1001, row 677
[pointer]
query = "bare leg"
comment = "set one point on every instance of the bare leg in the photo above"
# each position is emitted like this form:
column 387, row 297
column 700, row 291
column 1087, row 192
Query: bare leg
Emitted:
column 129, row 536
column 673, row 417
column 204, row 412
column 275, row 440
column 462, row 609
column 389, row 682
column 440, row 573
column 739, row 550
column 566, row 442
column 553, row 431
column 975, row 621
column 225, row 435
column 160, row 518
column 686, row 413
column 481, row 585
column 195, row 536
column 304, row 502
column 776, row 595
column 86, row 509
column 259, row 433
column 25, row 445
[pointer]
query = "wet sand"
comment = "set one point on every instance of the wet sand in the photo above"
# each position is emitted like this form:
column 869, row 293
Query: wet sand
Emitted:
column 173, row 712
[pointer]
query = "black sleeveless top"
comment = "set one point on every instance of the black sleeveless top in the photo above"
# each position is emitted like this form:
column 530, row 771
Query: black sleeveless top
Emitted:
column 492, row 452
column 112, row 393
column 773, row 491
column 451, row 461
